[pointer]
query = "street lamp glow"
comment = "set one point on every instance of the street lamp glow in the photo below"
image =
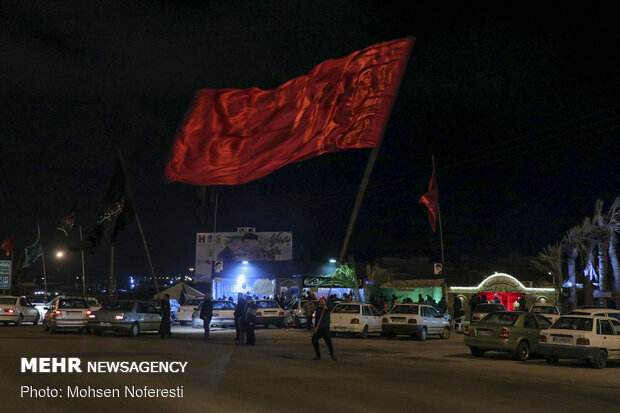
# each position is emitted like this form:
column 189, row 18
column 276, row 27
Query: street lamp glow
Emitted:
column 244, row 262
column 60, row 254
column 332, row 260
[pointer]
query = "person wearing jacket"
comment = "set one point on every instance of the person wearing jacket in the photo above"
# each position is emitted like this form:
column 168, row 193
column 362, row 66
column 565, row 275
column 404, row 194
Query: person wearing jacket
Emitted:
column 321, row 329
column 240, row 318
column 250, row 321
column 164, row 326
column 206, row 314
column 308, row 311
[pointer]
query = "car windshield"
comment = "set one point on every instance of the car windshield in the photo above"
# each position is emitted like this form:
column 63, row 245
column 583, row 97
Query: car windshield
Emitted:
column 223, row 305
column 505, row 319
column 118, row 306
column 347, row 308
column 267, row 304
column 544, row 309
column 405, row 309
column 72, row 303
column 8, row 300
column 489, row 308
column 192, row 302
column 573, row 323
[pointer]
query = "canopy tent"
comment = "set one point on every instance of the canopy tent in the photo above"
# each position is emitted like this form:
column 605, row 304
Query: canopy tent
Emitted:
column 179, row 292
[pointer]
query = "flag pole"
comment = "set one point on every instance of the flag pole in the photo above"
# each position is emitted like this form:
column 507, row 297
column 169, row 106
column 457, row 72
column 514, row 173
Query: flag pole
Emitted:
column 440, row 233
column 371, row 162
column 135, row 212
column 111, row 283
column 83, row 272
column 44, row 272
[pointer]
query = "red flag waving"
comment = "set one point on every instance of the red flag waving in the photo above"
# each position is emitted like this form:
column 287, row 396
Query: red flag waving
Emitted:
column 7, row 245
column 431, row 199
column 234, row 136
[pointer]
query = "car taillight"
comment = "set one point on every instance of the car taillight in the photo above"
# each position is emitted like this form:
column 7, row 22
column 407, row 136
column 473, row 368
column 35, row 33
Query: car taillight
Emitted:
column 258, row 314
column 542, row 338
column 119, row 317
column 217, row 314
column 88, row 312
column 355, row 321
column 505, row 334
column 466, row 331
column 10, row 310
column 91, row 316
column 385, row 320
column 412, row 321
column 582, row 341
column 281, row 313
column 57, row 313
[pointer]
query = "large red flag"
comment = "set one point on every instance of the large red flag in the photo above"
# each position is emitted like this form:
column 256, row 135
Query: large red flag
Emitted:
column 431, row 199
column 233, row 136
column 7, row 245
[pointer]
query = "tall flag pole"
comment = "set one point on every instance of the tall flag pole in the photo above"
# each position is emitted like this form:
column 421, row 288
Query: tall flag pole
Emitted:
column 83, row 270
column 431, row 200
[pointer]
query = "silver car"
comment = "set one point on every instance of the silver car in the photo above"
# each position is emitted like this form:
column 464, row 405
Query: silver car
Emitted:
column 66, row 313
column 223, row 314
column 17, row 310
column 128, row 316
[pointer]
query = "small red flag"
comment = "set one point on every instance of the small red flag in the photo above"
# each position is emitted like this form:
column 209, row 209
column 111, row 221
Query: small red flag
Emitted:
column 7, row 245
column 234, row 136
column 431, row 199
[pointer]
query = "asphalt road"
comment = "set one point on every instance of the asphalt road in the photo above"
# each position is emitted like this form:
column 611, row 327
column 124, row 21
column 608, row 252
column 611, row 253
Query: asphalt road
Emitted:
column 278, row 375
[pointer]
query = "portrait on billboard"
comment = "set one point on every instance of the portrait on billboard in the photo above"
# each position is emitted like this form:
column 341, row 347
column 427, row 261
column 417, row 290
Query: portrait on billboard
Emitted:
column 218, row 267
column 241, row 246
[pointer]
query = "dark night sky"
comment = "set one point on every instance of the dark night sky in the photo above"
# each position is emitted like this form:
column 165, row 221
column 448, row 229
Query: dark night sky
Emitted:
column 519, row 104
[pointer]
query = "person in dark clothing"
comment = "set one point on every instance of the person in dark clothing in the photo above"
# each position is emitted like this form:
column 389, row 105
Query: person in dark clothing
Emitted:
column 456, row 307
column 240, row 318
column 164, row 326
column 483, row 299
column 206, row 314
column 522, row 303
column 321, row 330
column 473, row 303
column 250, row 321
column 443, row 305
column 420, row 298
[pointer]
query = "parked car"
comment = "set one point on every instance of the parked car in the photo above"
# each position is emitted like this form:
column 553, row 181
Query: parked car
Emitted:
column 17, row 310
column 185, row 312
column 93, row 303
column 582, row 337
column 597, row 312
column 223, row 314
column 40, row 304
column 515, row 332
column 355, row 318
column 548, row 311
column 483, row 309
column 298, row 313
column 126, row 316
column 66, row 313
column 415, row 320
column 268, row 312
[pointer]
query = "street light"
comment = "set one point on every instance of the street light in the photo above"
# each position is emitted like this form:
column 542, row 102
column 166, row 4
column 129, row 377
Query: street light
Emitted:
column 59, row 254
column 332, row 260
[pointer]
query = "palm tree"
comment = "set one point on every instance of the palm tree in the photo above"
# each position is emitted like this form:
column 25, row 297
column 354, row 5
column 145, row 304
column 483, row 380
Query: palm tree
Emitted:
column 344, row 277
column 612, row 223
column 571, row 244
column 549, row 261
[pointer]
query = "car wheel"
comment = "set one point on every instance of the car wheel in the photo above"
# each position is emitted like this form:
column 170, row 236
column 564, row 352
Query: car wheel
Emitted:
column 600, row 362
column 422, row 334
column 20, row 320
column 364, row 333
column 552, row 360
column 36, row 320
column 445, row 334
column 523, row 351
column 183, row 323
column 476, row 352
column 134, row 330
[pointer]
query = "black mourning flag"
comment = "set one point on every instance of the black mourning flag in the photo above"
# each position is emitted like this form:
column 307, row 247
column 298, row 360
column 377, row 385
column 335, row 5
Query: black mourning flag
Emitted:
column 67, row 223
column 116, row 211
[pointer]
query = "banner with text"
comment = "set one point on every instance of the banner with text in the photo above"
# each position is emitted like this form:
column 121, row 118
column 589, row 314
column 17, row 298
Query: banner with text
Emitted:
column 239, row 246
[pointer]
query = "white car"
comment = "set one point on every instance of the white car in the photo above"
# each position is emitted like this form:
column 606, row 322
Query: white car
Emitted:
column 591, row 338
column 597, row 312
column 486, row 308
column 550, row 312
column 298, row 312
column 186, row 311
column 223, row 314
column 268, row 312
column 415, row 320
column 355, row 318
column 17, row 310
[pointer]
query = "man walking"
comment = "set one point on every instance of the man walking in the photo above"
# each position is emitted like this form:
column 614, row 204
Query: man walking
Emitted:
column 164, row 326
column 206, row 314
column 250, row 321
column 240, row 318
column 321, row 330
column 308, row 311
